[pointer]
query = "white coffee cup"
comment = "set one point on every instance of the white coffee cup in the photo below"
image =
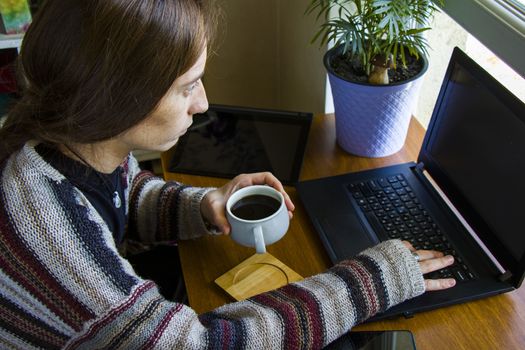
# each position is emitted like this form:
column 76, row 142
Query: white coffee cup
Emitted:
column 256, row 222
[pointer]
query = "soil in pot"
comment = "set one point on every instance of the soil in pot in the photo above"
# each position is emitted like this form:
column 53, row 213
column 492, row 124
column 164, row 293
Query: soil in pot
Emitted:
column 349, row 68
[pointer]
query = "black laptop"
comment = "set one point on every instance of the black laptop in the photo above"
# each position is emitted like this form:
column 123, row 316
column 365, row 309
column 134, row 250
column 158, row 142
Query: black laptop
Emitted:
column 465, row 196
column 229, row 140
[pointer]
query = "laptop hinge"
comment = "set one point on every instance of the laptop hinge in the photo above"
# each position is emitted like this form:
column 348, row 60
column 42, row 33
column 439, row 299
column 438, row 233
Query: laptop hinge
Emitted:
column 504, row 274
column 504, row 277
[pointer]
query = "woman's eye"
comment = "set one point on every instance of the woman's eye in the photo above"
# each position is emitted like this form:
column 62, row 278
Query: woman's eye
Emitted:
column 190, row 89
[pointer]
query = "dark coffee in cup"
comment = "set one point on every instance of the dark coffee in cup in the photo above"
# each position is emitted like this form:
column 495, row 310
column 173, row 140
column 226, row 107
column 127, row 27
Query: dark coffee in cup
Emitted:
column 255, row 207
column 258, row 216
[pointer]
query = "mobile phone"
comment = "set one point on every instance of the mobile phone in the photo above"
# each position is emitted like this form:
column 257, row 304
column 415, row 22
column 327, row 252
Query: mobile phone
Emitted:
column 375, row 340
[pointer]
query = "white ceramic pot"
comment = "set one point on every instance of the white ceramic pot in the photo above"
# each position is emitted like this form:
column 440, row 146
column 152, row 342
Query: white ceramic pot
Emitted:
column 372, row 120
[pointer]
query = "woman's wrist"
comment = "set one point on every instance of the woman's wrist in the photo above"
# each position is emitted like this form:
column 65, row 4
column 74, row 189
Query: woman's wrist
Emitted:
column 401, row 272
column 205, row 210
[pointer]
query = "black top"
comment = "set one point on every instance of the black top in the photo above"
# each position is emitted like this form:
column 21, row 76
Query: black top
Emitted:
column 96, row 186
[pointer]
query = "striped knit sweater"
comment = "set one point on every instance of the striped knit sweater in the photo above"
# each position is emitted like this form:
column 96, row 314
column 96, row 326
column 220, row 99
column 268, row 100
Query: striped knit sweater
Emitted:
column 63, row 283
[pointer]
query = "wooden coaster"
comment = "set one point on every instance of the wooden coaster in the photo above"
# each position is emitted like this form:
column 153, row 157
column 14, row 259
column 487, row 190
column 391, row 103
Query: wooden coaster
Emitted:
column 257, row 274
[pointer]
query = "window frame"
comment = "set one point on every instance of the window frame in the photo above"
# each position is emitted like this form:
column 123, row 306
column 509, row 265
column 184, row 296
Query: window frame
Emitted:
column 498, row 24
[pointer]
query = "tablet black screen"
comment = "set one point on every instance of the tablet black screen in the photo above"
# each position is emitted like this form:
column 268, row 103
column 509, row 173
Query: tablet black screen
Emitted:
column 227, row 141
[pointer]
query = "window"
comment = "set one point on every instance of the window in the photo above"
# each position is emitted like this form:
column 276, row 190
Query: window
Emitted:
column 498, row 24
column 447, row 33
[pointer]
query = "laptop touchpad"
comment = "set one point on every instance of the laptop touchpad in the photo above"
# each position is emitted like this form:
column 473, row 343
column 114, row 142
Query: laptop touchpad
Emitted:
column 344, row 235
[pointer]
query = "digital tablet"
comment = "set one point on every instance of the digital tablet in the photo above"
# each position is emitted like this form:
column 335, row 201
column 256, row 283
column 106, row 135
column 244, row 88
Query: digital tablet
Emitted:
column 227, row 141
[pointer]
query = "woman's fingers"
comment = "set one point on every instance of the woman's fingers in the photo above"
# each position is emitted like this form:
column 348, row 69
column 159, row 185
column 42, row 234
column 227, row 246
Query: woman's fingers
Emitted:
column 213, row 204
column 439, row 284
column 267, row 178
column 430, row 261
column 271, row 180
column 409, row 246
column 435, row 263
column 427, row 254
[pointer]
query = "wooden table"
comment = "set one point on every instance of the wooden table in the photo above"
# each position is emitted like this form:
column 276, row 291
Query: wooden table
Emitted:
column 493, row 323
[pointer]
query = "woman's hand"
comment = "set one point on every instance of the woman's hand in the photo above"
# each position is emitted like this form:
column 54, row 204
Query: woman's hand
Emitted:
column 213, row 205
column 429, row 261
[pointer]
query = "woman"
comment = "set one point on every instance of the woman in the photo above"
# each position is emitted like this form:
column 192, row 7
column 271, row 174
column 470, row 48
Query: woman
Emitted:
column 103, row 78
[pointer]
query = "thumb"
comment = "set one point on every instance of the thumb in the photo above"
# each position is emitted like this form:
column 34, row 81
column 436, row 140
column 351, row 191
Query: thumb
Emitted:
column 223, row 225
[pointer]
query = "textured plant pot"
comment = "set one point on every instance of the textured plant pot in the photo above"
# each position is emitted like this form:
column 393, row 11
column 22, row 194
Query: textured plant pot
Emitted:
column 372, row 120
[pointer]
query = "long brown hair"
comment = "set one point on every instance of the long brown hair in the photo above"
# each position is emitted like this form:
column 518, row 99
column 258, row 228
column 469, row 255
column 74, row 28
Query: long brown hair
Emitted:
column 93, row 69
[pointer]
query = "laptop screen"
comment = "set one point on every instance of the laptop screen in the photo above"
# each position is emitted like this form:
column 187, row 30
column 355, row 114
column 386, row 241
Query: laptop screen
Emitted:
column 475, row 149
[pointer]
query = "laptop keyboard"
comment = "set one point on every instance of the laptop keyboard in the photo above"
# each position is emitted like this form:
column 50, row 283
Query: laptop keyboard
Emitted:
column 390, row 203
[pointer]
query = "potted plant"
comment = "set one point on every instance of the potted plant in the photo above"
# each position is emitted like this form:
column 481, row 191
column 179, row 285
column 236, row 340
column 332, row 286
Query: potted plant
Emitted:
column 375, row 68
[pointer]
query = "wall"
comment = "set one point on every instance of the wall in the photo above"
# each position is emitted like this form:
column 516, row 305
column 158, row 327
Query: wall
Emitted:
column 264, row 58
column 302, row 74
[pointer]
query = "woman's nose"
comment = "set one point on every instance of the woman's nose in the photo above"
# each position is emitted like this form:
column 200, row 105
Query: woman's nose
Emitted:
column 200, row 103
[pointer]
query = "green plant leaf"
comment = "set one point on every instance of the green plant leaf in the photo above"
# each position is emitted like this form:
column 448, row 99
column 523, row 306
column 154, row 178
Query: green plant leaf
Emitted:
column 368, row 28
